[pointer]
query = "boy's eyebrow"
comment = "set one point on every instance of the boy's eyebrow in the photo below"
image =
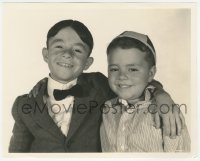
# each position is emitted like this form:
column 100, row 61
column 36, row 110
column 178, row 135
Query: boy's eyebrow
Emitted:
column 56, row 40
column 112, row 65
column 82, row 45
column 126, row 65
column 60, row 40
column 132, row 65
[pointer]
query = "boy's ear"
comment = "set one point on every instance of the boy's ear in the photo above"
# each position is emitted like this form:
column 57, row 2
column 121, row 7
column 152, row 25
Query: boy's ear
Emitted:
column 45, row 54
column 152, row 73
column 89, row 62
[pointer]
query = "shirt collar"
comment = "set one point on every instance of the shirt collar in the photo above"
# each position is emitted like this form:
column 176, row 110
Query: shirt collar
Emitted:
column 147, row 95
column 53, row 84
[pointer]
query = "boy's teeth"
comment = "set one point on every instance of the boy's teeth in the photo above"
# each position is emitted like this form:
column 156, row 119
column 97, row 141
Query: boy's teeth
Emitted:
column 124, row 86
column 65, row 65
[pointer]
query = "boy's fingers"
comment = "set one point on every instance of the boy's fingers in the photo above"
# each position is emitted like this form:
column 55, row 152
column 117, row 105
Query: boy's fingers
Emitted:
column 172, row 127
column 35, row 91
column 45, row 99
column 178, row 124
column 166, row 126
column 38, row 86
column 157, row 120
column 182, row 120
column 44, row 80
column 30, row 94
column 176, row 111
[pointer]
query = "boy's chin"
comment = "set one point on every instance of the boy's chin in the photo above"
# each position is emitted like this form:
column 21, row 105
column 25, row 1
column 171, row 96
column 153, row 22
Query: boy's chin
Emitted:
column 123, row 97
column 127, row 97
column 66, row 80
column 63, row 80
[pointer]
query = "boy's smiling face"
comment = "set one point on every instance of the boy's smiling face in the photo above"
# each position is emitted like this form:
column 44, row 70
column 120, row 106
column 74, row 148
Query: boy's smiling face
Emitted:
column 66, row 55
column 129, row 72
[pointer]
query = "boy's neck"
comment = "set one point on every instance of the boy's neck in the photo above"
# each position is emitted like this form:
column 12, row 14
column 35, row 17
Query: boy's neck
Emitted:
column 53, row 84
column 60, row 81
column 134, row 101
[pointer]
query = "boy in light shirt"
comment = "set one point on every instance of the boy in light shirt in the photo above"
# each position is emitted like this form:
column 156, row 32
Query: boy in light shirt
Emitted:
column 127, row 119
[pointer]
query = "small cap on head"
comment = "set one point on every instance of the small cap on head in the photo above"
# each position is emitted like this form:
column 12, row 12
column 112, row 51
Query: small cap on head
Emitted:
column 140, row 37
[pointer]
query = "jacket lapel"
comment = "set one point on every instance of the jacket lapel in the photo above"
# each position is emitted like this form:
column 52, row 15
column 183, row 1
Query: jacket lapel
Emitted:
column 81, row 107
column 42, row 117
column 79, row 114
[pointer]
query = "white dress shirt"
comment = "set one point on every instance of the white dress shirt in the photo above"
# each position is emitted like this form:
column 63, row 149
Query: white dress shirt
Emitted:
column 60, row 111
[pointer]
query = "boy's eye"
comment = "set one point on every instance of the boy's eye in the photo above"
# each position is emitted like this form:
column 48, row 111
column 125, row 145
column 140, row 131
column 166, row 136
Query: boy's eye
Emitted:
column 58, row 47
column 132, row 70
column 113, row 69
column 77, row 51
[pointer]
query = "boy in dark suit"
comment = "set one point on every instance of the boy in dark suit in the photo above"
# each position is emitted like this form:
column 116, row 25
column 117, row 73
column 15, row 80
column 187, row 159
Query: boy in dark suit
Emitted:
column 65, row 116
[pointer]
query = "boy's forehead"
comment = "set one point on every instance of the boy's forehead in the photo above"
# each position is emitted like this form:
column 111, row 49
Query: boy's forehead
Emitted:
column 128, row 52
column 69, row 36
column 66, row 33
column 54, row 40
column 126, row 56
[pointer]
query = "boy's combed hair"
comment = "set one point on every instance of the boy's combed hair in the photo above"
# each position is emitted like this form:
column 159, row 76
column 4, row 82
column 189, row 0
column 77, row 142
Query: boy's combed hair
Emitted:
column 77, row 26
column 127, row 43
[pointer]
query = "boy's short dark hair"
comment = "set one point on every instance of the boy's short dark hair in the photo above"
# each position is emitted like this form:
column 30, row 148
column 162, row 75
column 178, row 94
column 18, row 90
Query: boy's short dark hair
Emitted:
column 82, row 31
column 127, row 43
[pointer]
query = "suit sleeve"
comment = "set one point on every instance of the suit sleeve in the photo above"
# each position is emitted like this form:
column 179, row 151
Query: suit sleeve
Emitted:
column 22, row 138
column 159, row 90
column 156, row 84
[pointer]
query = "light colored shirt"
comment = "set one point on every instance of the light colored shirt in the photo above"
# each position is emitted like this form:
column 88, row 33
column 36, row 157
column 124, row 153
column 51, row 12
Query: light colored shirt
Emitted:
column 130, row 129
column 60, row 111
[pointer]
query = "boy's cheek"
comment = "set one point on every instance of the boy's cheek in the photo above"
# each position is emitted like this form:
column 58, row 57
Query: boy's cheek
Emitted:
column 112, row 76
column 111, row 80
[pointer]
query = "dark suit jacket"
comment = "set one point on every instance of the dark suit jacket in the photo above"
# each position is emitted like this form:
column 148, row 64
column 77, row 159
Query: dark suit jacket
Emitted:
column 35, row 131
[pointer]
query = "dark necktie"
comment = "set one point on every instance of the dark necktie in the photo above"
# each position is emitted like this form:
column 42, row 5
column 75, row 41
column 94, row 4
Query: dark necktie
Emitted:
column 75, row 91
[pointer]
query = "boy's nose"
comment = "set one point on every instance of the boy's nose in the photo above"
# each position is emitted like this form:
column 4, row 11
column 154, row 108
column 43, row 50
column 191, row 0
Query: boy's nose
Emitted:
column 67, row 54
column 122, row 76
